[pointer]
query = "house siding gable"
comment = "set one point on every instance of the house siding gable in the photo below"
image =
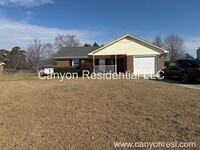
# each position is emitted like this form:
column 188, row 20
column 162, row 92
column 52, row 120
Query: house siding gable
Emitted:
column 129, row 46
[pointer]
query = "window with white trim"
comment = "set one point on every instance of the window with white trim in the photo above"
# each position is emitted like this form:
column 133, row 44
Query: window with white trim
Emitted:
column 75, row 62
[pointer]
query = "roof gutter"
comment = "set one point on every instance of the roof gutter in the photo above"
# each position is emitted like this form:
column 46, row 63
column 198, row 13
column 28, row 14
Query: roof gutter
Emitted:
column 70, row 57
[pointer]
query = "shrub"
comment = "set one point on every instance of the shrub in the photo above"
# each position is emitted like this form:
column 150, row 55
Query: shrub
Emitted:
column 63, row 70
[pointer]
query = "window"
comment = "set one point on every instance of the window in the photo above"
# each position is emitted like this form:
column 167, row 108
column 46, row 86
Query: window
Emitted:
column 75, row 62
column 102, row 62
column 102, row 67
column 182, row 63
column 186, row 64
column 195, row 62
column 172, row 64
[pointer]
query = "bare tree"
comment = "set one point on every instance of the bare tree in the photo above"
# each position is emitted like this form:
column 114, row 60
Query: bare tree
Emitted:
column 176, row 47
column 66, row 41
column 158, row 41
column 38, row 52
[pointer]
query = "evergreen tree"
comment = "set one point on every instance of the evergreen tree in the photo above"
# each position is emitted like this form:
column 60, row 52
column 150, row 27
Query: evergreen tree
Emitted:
column 95, row 44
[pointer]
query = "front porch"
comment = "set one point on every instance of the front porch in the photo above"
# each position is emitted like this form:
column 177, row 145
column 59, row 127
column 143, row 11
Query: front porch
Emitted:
column 110, row 63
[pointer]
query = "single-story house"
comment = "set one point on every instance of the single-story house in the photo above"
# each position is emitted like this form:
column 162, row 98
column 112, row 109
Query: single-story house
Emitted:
column 1, row 67
column 127, row 53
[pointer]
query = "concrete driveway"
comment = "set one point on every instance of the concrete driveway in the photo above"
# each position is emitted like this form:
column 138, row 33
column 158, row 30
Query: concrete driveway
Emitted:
column 194, row 85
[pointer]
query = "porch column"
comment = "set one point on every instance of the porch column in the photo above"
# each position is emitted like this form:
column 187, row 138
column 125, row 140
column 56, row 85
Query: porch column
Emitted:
column 115, row 63
column 93, row 63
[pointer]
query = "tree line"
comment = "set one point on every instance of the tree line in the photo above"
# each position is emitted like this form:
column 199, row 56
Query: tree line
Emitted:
column 37, row 53
column 15, row 59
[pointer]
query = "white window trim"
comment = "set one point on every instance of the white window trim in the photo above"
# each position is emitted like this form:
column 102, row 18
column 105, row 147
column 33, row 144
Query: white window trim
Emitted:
column 73, row 64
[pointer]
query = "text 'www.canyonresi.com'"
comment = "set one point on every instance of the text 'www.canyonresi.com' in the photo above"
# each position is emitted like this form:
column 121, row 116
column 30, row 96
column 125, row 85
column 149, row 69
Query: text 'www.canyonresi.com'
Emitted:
column 153, row 145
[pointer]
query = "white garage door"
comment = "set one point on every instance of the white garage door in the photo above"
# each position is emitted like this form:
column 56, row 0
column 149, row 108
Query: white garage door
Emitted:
column 144, row 65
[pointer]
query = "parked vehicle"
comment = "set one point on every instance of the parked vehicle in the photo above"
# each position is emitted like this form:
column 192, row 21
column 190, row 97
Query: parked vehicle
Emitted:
column 186, row 70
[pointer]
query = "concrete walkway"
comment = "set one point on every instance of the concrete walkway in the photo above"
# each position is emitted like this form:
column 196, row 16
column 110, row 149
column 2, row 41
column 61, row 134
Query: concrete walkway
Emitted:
column 195, row 85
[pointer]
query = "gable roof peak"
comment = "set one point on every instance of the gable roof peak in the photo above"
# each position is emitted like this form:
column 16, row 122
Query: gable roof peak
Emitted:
column 133, row 37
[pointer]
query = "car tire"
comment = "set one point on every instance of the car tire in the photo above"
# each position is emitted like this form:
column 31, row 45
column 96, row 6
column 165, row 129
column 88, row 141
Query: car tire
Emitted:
column 162, row 75
column 185, row 77
column 166, row 76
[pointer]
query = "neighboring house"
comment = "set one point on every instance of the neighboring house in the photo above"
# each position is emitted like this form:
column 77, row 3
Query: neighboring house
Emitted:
column 1, row 67
column 198, row 53
column 127, row 53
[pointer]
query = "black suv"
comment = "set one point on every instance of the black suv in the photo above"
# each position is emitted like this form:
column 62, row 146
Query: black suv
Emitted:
column 186, row 70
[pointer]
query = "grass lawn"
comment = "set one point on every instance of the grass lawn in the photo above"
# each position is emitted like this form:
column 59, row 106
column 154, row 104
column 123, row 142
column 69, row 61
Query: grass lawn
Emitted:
column 92, row 114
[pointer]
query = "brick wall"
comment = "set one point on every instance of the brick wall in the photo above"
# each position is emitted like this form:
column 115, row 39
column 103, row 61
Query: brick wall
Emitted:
column 130, row 63
column 63, row 63
column 160, row 62
column 1, row 70
column 87, row 64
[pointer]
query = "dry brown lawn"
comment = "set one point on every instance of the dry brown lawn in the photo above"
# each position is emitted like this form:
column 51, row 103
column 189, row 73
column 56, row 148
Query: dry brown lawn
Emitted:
column 92, row 114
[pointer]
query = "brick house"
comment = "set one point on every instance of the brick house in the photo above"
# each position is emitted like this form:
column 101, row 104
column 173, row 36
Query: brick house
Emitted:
column 127, row 53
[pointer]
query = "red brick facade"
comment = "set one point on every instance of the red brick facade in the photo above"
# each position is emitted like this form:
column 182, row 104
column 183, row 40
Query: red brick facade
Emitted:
column 130, row 63
column 63, row 63
column 160, row 62
column 126, row 63
column 87, row 64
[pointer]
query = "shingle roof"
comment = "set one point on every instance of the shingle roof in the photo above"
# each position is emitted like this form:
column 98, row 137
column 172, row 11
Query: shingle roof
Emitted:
column 46, row 65
column 75, row 52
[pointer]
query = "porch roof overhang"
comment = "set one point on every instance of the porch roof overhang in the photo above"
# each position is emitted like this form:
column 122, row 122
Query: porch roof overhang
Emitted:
column 113, row 54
